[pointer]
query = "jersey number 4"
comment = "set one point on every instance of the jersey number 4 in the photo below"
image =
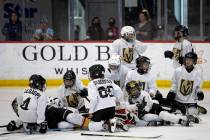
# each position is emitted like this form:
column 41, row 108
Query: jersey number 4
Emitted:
column 24, row 106
column 105, row 91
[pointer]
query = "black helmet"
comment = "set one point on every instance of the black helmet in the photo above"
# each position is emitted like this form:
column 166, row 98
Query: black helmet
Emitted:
column 69, row 75
column 182, row 29
column 37, row 82
column 139, row 64
column 191, row 55
column 96, row 71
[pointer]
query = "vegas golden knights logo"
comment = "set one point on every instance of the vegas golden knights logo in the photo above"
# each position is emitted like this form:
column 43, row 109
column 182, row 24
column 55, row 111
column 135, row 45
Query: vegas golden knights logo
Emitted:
column 128, row 54
column 186, row 87
column 177, row 53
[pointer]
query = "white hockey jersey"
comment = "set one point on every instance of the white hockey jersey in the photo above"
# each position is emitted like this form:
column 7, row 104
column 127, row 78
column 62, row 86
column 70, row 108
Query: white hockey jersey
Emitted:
column 63, row 92
column 117, row 76
column 147, row 80
column 103, row 93
column 128, row 51
column 144, row 98
column 186, row 85
column 180, row 49
column 32, row 105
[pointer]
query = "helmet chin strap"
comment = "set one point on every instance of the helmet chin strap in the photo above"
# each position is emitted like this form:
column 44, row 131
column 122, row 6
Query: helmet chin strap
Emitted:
column 189, row 68
column 141, row 71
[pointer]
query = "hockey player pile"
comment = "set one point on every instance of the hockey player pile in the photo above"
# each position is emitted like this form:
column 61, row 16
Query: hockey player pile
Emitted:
column 122, row 96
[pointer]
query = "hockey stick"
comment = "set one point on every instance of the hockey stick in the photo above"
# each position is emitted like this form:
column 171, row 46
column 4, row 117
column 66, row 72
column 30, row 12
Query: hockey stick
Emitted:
column 122, row 136
column 3, row 126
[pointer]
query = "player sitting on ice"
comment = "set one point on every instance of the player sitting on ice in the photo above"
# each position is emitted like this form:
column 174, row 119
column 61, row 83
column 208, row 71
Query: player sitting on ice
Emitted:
column 148, row 109
column 72, row 92
column 32, row 105
column 103, row 93
column 186, row 87
column 116, row 71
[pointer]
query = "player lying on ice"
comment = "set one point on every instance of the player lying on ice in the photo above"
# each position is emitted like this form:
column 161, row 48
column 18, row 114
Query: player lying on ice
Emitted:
column 37, row 113
column 149, row 110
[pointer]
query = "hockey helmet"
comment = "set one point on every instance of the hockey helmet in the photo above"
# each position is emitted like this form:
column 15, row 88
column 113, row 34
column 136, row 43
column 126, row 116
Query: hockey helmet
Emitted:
column 114, row 62
column 37, row 82
column 190, row 55
column 69, row 78
column 143, row 64
column 128, row 33
column 180, row 28
column 96, row 71
column 133, row 89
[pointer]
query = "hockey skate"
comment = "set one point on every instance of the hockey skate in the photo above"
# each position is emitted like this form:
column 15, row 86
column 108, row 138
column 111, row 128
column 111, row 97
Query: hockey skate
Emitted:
column 184, row 122
column 193, row 118
column 111, row 125
column 121, row 125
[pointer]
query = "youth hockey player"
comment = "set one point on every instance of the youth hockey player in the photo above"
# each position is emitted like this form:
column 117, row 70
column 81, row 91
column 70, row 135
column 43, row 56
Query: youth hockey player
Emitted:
column 72, row 92
column 181, row 47
column 56, row 116
column 116, row 71
column 143, row 75
column 103, row 93
column 32, row 104
column 186, row 87
column 148, row 109
column 128, row 47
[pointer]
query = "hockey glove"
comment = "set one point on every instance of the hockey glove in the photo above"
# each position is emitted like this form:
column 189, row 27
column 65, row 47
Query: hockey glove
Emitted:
column 168, row 54
column 181, row 60
column 171, row 96
column 83, row 93
column 11, row 126
column 43, row 127
column 200, row 95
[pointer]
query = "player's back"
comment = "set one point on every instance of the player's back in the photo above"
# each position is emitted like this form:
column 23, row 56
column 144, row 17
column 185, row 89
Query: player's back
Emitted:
column 33, row 103
column 101, row 91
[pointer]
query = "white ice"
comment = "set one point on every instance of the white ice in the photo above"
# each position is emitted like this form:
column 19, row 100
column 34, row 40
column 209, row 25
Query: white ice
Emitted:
column 197, row 132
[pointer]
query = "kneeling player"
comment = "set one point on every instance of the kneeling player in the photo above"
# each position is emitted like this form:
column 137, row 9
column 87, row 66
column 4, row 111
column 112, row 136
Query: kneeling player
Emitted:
column 102, row 101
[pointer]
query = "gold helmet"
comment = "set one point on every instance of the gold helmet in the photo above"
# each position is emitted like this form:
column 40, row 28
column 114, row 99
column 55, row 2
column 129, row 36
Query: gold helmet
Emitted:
column 133, row 89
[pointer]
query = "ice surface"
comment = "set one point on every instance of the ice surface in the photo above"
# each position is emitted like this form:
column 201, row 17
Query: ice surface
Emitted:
column 197, row 132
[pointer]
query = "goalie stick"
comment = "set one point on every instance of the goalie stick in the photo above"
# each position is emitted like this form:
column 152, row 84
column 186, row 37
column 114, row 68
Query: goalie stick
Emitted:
column 122, row 136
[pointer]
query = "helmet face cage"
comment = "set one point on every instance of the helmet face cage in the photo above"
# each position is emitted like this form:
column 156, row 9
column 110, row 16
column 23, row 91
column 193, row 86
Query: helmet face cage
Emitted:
column 96, row 71
column 133, row 89
column 143, row 64
column 114, row 62
column 180, row 28
column 128, row 33
column 191, row 55
column 37, row 82
column 69, row 78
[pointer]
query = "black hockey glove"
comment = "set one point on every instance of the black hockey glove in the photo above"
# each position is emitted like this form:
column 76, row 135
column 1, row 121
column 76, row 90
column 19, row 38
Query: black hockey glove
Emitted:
column 83, row 93
column 171, row 96
column 168, row 54
column 43, row 127
column 181, row 60
column 11, row 126
column 200, row 95
column 141, row 109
